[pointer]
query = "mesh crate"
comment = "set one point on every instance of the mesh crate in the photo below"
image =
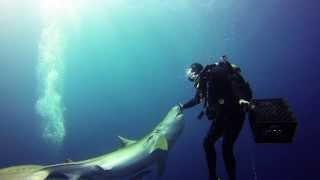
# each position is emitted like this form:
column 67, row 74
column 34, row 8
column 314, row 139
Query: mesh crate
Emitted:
column 272, row 121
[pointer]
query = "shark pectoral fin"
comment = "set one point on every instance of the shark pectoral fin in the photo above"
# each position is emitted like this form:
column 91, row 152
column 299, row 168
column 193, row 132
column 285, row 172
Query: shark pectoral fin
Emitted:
column 162, row 144
column 39, row 175
column 140, row 175
column 161, row 166
column 73, row 176
column 58, row 175
column 126, row 142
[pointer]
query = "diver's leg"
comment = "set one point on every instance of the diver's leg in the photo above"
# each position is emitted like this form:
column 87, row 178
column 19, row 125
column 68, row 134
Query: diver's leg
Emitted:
column 215, row 132
column 229, row 137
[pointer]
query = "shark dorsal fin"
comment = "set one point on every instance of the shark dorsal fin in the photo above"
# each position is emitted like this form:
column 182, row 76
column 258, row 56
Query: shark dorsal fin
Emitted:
column 125, row 141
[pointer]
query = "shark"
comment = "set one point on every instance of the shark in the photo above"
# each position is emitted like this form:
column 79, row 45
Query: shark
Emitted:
column 134, row 160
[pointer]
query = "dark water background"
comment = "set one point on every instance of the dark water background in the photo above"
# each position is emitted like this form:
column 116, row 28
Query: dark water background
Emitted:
column 125, row 70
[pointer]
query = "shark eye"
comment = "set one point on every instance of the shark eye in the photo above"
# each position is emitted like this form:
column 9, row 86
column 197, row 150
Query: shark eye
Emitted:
column 150, row 137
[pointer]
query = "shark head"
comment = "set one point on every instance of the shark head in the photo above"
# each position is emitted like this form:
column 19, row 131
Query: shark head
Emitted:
column 177, row 113
column 174, row 115
column 171, row 126
column 176, row 123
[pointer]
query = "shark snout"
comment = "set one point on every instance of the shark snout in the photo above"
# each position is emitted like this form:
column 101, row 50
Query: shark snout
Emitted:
column 176, row 111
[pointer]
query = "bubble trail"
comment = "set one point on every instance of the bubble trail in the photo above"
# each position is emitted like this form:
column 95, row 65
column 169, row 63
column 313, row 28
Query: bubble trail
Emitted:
column 50, row 72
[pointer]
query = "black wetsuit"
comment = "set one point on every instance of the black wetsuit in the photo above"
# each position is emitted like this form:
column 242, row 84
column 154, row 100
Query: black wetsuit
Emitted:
column 220, row 89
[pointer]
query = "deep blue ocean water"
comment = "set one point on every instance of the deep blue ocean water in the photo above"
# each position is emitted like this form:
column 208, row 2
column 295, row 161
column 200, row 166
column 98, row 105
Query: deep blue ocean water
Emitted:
column 124, row 69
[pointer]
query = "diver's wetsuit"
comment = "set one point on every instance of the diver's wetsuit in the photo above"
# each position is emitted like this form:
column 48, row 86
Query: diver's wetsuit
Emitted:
column 221, row 92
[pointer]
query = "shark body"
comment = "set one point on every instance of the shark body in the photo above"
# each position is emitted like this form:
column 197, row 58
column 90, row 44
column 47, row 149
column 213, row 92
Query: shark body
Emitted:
column 134, row 159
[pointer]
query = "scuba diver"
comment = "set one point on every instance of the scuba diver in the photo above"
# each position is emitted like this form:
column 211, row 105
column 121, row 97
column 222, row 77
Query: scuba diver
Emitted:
column 225, row 95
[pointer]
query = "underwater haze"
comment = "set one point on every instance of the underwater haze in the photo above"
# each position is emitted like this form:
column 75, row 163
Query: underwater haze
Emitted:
column 75, row 74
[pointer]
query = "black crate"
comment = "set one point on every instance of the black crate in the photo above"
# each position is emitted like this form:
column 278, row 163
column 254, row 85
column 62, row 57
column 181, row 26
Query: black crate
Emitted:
column 272, row 121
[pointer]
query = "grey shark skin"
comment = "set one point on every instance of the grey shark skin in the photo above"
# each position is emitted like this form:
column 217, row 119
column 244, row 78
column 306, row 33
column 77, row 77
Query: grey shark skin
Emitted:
column 134, row 159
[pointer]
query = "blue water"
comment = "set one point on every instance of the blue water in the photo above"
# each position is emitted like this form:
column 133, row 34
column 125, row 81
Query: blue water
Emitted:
column 124, row 69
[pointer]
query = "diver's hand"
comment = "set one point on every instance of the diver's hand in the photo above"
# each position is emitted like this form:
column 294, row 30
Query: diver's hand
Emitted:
column 180, row 105
column 243, row 102
column 246, row 104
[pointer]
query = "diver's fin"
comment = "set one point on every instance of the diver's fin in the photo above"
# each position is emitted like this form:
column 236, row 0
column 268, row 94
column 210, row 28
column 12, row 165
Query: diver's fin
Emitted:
column 140, row 175
column 161, row 166
column 125, row 141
